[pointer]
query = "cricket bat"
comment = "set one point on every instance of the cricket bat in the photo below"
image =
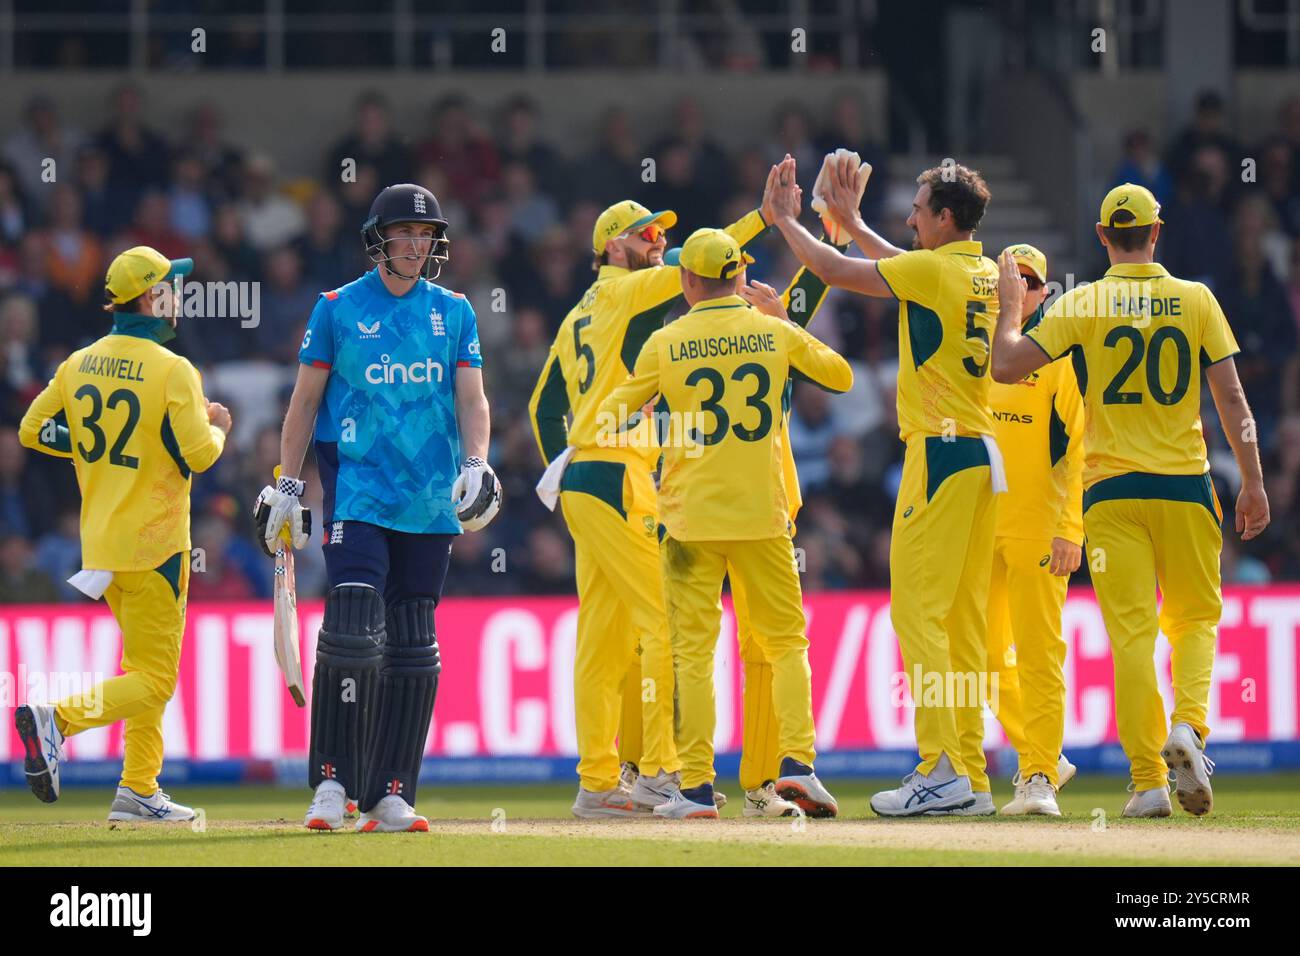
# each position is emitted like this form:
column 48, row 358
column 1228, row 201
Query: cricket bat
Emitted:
column 286, row 624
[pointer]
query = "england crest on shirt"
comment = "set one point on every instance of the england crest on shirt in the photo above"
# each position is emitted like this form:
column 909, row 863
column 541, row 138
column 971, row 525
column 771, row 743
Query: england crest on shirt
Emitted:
column 435, row 319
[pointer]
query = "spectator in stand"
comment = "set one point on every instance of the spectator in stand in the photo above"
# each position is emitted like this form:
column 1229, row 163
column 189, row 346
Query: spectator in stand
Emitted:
column 513, row 371
column 548, row 563
column 331, row 253
column 532, row 213
column 229, row 239
column 137, row 156
column 812, row 429
column 190, row 207
column 58, row 553
column 152, row 227
column 372, row 143
column 27, row 503
column 61, row 322
column 466, row 156
column 270, row 220
column 15, row 218
column 794, row 136
column 22, row 365
column 103, row 208
column 74, row 256
column 1207, row 129
column 612, row 171
column 1255, row 302
column 1142, row 165
column 1293, row 284
column 1277, row 177
column 287, row 303
column 1288, row 121
column 214, row 576
column 41, row 137
column 20, row 581
column 554, row 276
column 710, row 164
column 221, row 161
column 521, row 144
column 677, row 187
column 848, row 128
column 1198, row 240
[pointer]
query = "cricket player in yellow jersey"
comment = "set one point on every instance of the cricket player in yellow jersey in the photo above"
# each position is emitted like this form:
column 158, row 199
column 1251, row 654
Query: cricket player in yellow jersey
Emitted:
column 608, row 499
column 1038, row 424
column 132, row 417
column 721, row 371
column 941, row 551
column 1139, row 339
column 760, row 753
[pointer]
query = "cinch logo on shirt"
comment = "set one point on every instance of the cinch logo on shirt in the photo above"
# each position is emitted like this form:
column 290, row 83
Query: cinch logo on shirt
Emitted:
column 386, row 373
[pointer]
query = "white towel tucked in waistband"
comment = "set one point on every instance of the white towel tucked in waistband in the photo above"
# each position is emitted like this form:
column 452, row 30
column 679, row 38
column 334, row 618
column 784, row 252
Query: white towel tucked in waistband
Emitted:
column 997, row 467
column 93, row 584
column 548, row 489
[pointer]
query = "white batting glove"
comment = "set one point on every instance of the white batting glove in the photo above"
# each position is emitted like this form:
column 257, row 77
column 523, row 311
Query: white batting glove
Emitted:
column 280, row 515
column 476, row 494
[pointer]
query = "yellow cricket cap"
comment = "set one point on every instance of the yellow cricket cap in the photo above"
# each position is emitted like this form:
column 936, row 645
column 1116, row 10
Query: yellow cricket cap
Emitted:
column 1134, row 199
column 711, row 253
column 139, row 269
column 1029, row 257
column 624, row 217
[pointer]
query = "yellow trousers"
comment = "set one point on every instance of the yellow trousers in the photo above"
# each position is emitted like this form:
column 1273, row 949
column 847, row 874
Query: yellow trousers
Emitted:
column 765, row 569
column 940, row 560
column 1144, row 531
column 610, row 508
column 1027, row 652
column 760, row 752
column 150, row 609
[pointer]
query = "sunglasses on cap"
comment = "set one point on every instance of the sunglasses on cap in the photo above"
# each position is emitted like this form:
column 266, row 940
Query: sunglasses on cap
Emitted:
column 650, row 233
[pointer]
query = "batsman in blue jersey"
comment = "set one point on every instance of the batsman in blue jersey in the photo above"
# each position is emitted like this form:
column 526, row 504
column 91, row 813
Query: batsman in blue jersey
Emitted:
column 390, row 374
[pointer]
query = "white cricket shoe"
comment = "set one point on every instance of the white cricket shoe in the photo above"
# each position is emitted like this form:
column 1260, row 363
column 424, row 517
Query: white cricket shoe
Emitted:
column 719, row 799
column 764, row 801
column 941, row 789
column 627, row 776
column 1148, row 803
column 649, row 792
column 1040, row 796
column 392, row 815
column 1184, row 751
column 1065, row 772
column 682, row 807
column 328, row 807
column 595, row 804
column 43, row 749
column 800, row 786
column 981, row 806
column 350, row 808
column 1016, row 807
column 157, row 808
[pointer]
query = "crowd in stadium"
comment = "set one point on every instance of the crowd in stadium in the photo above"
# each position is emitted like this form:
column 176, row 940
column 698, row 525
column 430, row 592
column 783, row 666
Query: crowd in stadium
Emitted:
column 521, row 215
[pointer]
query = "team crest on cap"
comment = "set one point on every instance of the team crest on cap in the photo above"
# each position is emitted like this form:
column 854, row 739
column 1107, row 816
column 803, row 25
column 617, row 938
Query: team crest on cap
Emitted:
column 420, row 208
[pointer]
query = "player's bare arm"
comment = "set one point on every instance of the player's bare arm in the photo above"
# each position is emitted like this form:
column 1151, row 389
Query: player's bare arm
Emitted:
column 782, row 197
column 1239, row 428
column 1014, row 355
column 279, row 505
column 472, row 412
column 301, row 417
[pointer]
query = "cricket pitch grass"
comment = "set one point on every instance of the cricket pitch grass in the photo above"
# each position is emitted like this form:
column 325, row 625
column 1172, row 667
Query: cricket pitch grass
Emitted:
column 1256, row 821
